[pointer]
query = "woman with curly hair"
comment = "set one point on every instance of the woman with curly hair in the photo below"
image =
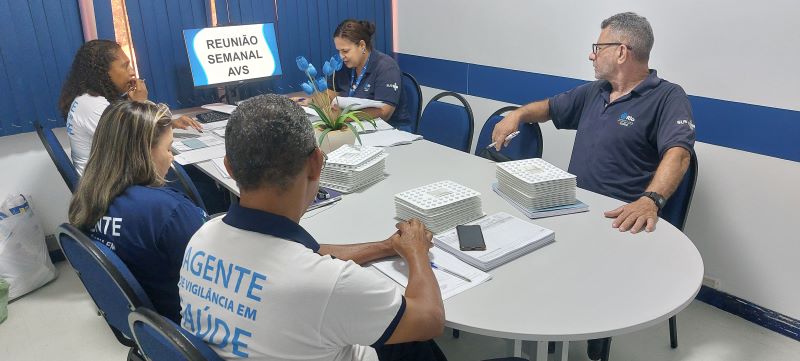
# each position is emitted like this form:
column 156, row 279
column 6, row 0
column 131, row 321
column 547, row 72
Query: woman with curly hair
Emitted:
column 101, row 74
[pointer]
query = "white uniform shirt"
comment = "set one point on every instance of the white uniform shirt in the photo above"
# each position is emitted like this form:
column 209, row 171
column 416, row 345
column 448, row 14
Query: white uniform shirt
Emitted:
column 82, row 119
column 251, row 285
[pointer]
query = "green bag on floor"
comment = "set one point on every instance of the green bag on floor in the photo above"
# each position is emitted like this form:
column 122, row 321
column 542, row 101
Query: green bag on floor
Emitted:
column 3, row 300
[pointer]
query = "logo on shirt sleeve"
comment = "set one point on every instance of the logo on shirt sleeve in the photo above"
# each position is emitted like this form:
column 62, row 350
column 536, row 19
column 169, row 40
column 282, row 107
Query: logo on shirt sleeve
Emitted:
column 393, row 86
column 688, row 122
column 625, row 120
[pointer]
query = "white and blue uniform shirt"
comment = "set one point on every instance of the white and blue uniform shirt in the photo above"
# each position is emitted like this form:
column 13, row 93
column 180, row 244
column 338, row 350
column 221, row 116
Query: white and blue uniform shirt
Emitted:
column 82, row 118
column 148, row 228
column 619, row 144
column 382, row 81
column 253, row 287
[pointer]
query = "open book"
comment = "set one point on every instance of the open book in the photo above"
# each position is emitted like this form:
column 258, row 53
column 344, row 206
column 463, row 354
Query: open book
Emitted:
column 506, row 237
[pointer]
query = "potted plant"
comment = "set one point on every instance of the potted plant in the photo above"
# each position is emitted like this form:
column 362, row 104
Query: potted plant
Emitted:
column 335, row 126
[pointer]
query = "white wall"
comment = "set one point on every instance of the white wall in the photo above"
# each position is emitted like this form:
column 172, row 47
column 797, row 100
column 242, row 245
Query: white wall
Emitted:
column 25, row 167
column 741, row 217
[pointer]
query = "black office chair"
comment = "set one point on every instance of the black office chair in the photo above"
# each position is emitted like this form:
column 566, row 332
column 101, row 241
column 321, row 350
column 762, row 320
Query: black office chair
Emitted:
column 108, row 281
column 675, row 212
column 59, row 156
column 411, row 102
column 528, row 144
column 448, row 124
column 160, row 339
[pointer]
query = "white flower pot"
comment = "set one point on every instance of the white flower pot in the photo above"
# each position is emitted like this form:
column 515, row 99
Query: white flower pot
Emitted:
column 335, row 139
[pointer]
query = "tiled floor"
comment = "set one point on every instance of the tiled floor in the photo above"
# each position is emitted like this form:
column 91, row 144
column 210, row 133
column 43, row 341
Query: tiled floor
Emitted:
column 59, row 322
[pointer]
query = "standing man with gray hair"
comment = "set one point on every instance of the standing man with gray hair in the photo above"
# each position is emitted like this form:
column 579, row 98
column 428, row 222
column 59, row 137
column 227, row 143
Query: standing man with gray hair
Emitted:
column 254, row 284
column 635, row 131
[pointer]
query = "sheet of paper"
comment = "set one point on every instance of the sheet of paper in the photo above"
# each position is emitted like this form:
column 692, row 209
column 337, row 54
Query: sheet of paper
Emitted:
column 184, row 145
column 388, row 138
column 450, row 285
column 380, row 125
column 201, row 155
column 220, row 164
column 357, row 103
column 220, row 107
column 503, row 234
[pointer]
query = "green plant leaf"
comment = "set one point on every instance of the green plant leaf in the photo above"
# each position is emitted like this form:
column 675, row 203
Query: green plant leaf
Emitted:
column 355, row 131
column 324, row 118
column 322, row 135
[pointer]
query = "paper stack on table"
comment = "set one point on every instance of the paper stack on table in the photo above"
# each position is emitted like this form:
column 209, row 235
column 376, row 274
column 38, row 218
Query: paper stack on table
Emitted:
column 440, row 206
column 534, row 184
column 353, row 167
column 453, row 276
column 506, row 237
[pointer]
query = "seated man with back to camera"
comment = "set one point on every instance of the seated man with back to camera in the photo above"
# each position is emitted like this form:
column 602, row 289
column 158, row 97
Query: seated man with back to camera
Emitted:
column 635, row 131
column 254, row 284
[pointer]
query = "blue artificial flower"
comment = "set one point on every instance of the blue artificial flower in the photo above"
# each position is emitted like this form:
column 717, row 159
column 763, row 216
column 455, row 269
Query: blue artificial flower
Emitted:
column 311, row 71
column 302, row 63
column 307, row 87
column 336, row 62
column 322, row 84
column 327, row 69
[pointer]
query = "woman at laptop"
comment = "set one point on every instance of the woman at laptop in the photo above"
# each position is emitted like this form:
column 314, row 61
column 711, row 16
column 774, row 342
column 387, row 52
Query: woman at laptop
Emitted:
column 122, row 202
column 101, row 74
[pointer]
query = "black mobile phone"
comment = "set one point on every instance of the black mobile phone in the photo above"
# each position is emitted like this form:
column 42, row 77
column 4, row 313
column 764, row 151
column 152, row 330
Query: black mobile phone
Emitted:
column 470, row 238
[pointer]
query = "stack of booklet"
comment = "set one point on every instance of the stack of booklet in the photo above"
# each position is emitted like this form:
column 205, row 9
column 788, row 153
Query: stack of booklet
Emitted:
column 506, row 237
column 537, row 188
column 440, row 206
column 353, row 167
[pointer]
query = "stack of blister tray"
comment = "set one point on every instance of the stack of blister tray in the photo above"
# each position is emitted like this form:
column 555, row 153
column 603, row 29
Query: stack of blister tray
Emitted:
column 535, row 184
column 440, row 206
column 351, row 168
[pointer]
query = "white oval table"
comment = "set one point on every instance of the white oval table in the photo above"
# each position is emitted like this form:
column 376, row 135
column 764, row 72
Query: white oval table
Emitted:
column 593, row 282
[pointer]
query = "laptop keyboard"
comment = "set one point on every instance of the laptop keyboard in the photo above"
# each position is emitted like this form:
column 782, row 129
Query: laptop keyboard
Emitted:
column 212, row 116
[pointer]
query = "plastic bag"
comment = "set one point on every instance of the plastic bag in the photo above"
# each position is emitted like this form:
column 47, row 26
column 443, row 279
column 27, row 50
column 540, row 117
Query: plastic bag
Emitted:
column 24, row 260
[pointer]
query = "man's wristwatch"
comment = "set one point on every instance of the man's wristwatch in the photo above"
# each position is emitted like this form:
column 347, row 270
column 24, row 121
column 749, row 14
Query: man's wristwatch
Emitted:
column 658, row 199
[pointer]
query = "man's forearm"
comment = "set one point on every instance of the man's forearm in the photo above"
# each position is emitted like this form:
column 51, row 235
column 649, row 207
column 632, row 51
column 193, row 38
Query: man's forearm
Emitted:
column 360, row 253
column 670, row 171
column 535, row 112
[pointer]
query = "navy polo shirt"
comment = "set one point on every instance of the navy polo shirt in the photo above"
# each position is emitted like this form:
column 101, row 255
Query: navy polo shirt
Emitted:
column 619, row 145
column 382, row 81
column 148, row 228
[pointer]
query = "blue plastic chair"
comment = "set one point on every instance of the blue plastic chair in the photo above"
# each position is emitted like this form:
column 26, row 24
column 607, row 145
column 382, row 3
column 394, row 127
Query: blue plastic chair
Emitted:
column 59, row 156
column 411, row 102
column 675, row 212
column 448, row 124
column 528, row 144
column 160, row 339
column 178, row 179
column 108, row 281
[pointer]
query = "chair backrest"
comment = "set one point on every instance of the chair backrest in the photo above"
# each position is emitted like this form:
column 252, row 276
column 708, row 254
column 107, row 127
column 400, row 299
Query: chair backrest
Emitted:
column 177, row 178
column 109, row 282
column 448, row 124
column 59, row 156
column 411, row 101
column 528, row 144
column 160, row 339
column 677, row 207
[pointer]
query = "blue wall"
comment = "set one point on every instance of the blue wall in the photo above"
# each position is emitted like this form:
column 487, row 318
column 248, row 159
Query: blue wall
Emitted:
column 752, row 128
column 37, row 41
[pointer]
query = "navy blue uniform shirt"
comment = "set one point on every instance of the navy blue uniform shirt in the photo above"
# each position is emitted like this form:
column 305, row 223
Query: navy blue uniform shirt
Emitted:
column 148, row 228
column 382, row 82
column 619, row 145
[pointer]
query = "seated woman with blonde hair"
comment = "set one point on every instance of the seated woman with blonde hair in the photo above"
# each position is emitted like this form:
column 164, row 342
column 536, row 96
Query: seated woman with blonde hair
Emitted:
column 122, row 200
